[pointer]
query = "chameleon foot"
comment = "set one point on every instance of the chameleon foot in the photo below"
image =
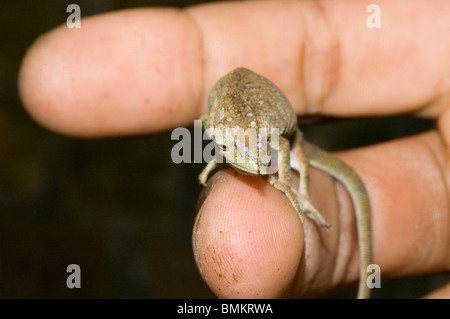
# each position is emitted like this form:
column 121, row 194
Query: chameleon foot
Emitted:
column 308, row 208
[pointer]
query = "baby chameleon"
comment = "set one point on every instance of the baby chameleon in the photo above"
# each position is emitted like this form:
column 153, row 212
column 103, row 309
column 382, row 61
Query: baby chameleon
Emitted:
column 245, row 101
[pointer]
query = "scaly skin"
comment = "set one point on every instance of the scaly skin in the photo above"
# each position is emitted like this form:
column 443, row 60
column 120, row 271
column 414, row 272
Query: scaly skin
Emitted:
column 244, row 100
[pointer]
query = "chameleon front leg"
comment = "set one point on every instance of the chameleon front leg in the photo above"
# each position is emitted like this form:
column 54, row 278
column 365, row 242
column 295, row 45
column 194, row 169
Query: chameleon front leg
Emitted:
column 300, row 200
column 300, row 162
column 283, row 183
column 203, row 177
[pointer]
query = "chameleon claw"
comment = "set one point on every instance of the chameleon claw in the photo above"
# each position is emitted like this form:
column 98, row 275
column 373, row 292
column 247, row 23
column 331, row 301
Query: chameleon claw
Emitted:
column 202, row 178
column 310, row 211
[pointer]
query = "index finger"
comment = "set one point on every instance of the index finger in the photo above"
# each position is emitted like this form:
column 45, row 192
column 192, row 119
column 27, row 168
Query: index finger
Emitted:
column 149, row 70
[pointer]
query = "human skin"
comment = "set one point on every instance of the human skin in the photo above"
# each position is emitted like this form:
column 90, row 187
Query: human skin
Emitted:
column 145, row 71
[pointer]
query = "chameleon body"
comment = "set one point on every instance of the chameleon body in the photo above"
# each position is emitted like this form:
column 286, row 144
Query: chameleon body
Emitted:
column 243, row 99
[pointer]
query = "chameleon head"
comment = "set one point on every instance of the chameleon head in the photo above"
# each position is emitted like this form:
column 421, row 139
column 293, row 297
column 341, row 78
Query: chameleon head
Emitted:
column 243, row 149
column 242, row 143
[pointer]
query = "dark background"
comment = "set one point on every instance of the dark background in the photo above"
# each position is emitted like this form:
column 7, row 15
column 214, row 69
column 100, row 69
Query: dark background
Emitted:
column 119, row 207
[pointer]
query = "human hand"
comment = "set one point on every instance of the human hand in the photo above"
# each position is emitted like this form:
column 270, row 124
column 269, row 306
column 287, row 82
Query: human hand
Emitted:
column 146, row 71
